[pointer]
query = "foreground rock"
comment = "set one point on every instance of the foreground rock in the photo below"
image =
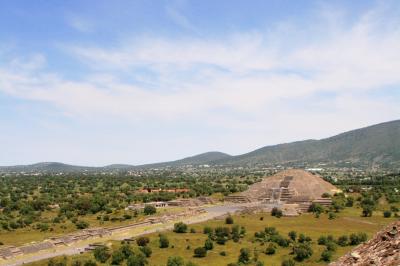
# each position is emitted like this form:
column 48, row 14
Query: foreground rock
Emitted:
column 382, row 249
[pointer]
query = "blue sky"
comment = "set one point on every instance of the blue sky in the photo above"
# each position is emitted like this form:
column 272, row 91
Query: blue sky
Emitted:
column 101, row 82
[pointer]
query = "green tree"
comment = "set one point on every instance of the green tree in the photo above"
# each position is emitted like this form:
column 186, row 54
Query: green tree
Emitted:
column 276, row 212
column 146, row 251
column 207, row 230
column 387, row 214
column 292, row 235
column 343, row 241
column 149, row 209
column 126, row 250
column 200, row 252
column 302, row 251
column 137, row 260
column 81, row 224
column 164, row 242
column 142, row 241
column 117, row 257
column 271, row 249
column 180, row 227
column 208, row 245
column 101, row 254
column 229, row 220
column 175, row 261
column 326, row 255
column 244, row 256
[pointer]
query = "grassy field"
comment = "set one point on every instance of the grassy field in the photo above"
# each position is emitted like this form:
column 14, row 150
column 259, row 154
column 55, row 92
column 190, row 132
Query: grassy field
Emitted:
column 347, row 222
column 29, row 234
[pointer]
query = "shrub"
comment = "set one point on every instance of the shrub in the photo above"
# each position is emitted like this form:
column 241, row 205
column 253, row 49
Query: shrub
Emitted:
column 271, row 231
column 81, row 224
column 394, row 209
column 343, row 241
column 326, row 255
column 175, row 261
column 76, row 263
column 208, row 245
column 271, row 249
column 276, row 212
column 137, row 260
column 149, row 209
column 368, row 206
column 322, row 240
column 126, row 250
column 302, row 251
column 117, row 257
column 356, row 239
column 146, row 251
column 101, row 254
column 331, row 246
column 316, row 208
column 142, row 241
column 244, row 256
column 387, row 214
column 283, row 242
column 222, row 253
column 292, row 235
column 200, row 252
column 192, row 230
column 235, row 233
column 229, row 220
column 164, row 242
column 222, row 235
column 303, row 238
column 207, row 230
column 349, row 202
column 127, row 216
column 180, row 227
column 331, row 216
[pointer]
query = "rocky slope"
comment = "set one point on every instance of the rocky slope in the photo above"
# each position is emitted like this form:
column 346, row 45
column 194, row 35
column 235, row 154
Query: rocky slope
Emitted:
column 383, row 249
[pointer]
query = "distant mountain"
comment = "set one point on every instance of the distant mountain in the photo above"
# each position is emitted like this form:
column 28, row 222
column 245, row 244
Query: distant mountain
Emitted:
column 118, row 166
column 200, row 159
column 369, row 147
column 52, row 167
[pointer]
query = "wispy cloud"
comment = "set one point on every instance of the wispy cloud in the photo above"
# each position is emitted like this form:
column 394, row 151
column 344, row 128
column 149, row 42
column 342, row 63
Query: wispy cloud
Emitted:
column 173, row 11
column 257, row 74
column 80, row 23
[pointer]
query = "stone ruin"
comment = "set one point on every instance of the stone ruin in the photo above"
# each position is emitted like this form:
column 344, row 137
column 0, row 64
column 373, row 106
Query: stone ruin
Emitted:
column 8, row 251
column 289, row 189
column 383, row 249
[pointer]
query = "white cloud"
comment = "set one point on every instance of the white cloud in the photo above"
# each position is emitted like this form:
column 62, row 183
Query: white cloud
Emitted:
column 80, row 23
column 173, row 11
column 254, row 77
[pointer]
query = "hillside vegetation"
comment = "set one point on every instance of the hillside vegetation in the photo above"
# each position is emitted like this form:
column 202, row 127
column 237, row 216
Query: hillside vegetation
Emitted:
column 369, row 147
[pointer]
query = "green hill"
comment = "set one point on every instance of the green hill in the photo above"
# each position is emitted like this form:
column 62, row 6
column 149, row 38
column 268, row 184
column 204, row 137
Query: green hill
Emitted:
column 369, row 147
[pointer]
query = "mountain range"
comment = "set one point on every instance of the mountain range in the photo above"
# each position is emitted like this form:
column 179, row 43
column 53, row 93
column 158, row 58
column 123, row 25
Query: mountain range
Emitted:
column 368, row 148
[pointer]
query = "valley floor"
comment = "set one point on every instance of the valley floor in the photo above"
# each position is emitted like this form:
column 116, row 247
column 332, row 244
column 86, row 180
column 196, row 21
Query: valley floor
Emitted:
column 347, row 222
